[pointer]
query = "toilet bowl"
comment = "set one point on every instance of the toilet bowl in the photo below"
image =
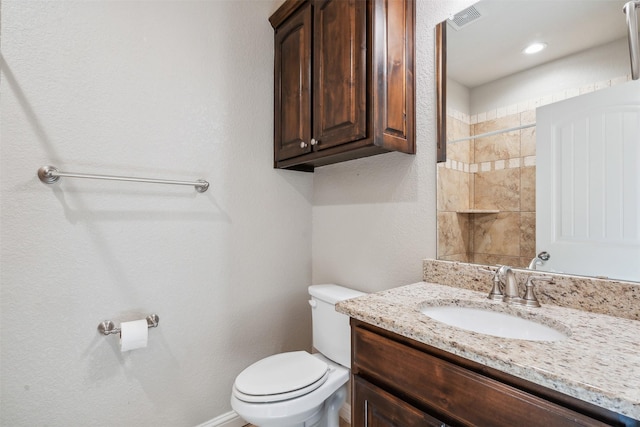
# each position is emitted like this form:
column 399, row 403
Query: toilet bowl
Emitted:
column 299, row 389
column 306, row 409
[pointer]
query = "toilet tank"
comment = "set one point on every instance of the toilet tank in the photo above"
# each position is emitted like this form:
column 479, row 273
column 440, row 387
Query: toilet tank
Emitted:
column 331, row 331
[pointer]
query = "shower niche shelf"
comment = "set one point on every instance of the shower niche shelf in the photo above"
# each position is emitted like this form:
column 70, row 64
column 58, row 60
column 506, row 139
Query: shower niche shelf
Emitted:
column 478, row 211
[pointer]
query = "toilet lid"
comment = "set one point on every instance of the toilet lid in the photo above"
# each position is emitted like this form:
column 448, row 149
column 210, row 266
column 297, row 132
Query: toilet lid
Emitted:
column 281, row 376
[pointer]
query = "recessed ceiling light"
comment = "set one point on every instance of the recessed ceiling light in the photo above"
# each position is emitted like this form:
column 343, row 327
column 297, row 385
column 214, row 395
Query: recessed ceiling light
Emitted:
column 534, row 48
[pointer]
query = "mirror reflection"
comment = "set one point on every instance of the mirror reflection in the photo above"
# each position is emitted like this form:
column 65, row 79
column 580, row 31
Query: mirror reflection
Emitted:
column 487, row 192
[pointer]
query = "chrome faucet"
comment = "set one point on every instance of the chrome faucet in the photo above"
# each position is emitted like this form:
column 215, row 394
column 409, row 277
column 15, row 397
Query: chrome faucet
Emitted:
column 509, row 285
column 539, row 260
column 505, row 288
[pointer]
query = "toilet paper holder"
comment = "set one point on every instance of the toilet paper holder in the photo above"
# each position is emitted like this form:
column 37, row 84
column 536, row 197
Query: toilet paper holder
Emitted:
column 108, row 327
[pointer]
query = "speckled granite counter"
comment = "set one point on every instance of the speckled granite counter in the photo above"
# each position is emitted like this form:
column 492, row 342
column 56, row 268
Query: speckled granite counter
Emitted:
column 599, row 362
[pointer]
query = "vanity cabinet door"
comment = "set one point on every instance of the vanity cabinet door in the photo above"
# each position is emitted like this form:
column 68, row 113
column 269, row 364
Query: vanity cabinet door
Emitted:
column 445, row 390
column 373, row 406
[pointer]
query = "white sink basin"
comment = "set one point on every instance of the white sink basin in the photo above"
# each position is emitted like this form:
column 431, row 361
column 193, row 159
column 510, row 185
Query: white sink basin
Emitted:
column 493, row 323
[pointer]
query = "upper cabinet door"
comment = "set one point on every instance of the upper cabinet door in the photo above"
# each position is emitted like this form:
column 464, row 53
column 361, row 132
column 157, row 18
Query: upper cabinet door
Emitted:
column 292, row 105
column 340, row 72
column 393, row 67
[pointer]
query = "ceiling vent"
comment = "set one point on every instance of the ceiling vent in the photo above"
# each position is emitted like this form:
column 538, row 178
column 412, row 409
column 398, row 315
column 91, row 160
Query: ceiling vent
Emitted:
column 464, row 18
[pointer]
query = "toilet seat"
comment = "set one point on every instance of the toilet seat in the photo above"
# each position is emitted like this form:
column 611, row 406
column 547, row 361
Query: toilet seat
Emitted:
column 281, row 377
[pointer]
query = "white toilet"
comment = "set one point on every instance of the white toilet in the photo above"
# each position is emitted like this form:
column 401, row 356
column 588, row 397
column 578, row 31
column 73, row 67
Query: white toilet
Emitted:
column 298, row 389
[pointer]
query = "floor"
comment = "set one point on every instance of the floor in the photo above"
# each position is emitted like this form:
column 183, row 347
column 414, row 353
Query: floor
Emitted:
column 343, row 423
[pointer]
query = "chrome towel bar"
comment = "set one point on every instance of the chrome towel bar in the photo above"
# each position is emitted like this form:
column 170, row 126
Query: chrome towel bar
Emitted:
column 108, row 327
column 630, row 10
column 492, row 133
column 51, row 174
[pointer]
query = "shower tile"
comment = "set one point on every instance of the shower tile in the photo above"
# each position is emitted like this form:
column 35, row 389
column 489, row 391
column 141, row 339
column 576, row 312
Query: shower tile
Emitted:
column 499, row 189
column 528, row 189
column 528, row 235
column 459, row 151
column 528, row 117
column 453, row 234
column 514, row 163
column 453, row 190
column 528, row 142
column 490, row 259
column 456, row 258
column 496, row 147
column 497, row 234
column 457, row 129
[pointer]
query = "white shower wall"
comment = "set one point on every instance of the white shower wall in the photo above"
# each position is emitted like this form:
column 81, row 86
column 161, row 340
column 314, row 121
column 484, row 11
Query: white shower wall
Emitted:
column 168, row 89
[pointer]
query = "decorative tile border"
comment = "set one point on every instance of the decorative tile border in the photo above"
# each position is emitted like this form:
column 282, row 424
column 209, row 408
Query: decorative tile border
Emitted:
column 603, row 296
column 512, row 163
column 522, row 107
column 534, row 103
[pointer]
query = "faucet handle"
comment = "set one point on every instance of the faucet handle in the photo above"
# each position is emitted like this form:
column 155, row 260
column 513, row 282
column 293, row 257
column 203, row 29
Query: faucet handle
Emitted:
column 496, row 290
column 530, row 299
column 540, row 279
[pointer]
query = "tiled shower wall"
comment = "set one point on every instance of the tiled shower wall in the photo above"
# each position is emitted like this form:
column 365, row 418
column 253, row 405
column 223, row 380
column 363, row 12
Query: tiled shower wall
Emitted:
column 494, row 173
column 486, row 188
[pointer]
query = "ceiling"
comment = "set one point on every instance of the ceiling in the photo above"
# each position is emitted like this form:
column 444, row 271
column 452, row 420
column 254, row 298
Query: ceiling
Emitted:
column 490, row 47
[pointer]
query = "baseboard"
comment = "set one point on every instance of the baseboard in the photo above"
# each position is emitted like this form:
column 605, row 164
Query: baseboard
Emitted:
column 345, row 412
column 230, row 419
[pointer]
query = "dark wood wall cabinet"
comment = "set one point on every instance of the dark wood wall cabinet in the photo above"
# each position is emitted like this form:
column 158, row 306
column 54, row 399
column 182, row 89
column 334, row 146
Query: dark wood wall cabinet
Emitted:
column 344, row 80
column 404, row 383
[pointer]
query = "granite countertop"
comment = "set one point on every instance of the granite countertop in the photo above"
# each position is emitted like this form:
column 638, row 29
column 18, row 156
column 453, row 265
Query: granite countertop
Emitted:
column 599, row 362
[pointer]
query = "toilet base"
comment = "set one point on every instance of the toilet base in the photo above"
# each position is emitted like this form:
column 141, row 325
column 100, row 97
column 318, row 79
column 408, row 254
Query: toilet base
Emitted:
column 319, row 408
column 327, row 415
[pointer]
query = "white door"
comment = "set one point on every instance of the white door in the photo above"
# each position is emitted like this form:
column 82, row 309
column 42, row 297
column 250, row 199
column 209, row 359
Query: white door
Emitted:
column 588, row 183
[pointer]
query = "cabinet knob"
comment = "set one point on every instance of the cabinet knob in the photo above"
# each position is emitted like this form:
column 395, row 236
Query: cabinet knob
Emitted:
column 314, row 141
column 303, row 144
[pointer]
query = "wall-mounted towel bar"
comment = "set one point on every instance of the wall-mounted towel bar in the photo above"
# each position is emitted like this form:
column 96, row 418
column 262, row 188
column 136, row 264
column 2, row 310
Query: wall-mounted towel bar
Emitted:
column 50, row 174
column 492, row 133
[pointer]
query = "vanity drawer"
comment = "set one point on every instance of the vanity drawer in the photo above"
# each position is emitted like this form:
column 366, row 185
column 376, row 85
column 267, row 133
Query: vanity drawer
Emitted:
column 450, row 392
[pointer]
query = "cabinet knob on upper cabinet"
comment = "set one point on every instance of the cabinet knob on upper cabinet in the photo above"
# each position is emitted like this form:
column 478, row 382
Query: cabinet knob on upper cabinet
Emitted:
column 314, row 141
column 303, row 144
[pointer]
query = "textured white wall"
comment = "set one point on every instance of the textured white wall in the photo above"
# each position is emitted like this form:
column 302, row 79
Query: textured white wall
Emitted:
column 176, row 90
column 457, row 97
column 598, row 64
column 374, row 219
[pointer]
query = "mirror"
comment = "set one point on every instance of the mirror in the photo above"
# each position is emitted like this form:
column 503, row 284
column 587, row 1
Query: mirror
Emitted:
column 488, row 92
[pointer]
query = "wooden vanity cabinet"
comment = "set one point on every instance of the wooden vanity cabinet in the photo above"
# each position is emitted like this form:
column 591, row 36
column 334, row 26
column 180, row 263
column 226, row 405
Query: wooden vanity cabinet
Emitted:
column 376, row 407
column 401, row 382
column 343, row 80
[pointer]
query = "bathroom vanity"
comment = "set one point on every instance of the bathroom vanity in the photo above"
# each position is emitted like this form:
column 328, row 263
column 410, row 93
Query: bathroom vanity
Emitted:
column 411, row 370
column 414, row 384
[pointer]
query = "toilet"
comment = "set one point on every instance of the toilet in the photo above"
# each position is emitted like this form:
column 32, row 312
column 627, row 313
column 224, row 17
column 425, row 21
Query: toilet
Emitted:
column 299, row 389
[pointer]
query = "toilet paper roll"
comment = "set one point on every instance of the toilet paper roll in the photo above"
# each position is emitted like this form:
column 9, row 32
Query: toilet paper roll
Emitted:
column 134, row 335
